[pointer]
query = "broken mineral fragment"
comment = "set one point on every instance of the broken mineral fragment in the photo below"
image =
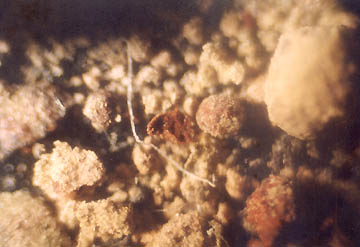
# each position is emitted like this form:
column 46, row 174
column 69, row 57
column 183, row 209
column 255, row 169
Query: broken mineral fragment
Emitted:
column 97, row 110
column 308, row 80
column 65, row 170
column 27, row 115
column 173, row 126
column 26, row 220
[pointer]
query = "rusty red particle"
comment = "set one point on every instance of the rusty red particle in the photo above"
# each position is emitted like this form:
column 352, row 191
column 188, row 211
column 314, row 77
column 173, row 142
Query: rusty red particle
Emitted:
column 173, row 126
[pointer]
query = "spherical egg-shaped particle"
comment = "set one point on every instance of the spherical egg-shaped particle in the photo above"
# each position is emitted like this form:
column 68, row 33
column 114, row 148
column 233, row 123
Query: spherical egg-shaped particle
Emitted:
column 220, row 115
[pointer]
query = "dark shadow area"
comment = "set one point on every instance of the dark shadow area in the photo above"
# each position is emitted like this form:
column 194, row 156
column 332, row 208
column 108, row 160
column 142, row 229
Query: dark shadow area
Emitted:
column 72, row 127
column 235, row 234
column 64, row 19
column 322, row 213
column 11, row 63
column 351, row 6
column 96, row 20
column 288, row 151
column 344, row 133
column 257, row 125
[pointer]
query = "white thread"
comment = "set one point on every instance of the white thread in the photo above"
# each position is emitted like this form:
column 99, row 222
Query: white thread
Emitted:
column 137, row 138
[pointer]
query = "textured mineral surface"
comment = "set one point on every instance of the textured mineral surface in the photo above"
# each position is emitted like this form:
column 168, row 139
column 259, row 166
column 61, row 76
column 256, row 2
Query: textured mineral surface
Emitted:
column 304, row 93
column 179, row 123
column 27, row 114
column 66, row 170
column 27, row 221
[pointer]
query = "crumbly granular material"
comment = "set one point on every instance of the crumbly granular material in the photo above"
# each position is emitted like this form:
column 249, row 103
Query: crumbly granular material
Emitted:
column 103, row 219
column 27, row 115
column 65, row 170
column 26, row 220
column 181, row 55
column 217, row 57
column 183, row 230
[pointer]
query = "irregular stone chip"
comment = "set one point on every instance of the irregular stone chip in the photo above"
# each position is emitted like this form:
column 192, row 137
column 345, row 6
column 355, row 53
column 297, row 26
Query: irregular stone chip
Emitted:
column 173, row 126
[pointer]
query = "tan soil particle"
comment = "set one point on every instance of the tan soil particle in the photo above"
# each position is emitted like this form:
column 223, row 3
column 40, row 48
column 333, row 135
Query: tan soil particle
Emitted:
column 27, row 115
column 103, row 219
column 141, row 199
column 97, row 110
column 65, row 170
column 27, row 221
column 183, row 230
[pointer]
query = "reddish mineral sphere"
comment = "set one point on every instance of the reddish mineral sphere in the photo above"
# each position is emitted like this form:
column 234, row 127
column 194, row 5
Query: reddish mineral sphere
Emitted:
column 220, row 115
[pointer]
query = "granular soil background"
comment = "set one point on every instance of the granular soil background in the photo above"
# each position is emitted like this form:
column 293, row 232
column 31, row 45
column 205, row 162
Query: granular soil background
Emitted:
column 72, row 173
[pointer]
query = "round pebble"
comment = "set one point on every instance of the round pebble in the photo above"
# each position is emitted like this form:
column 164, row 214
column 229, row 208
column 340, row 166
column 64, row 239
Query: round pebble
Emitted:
column 220, row 115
